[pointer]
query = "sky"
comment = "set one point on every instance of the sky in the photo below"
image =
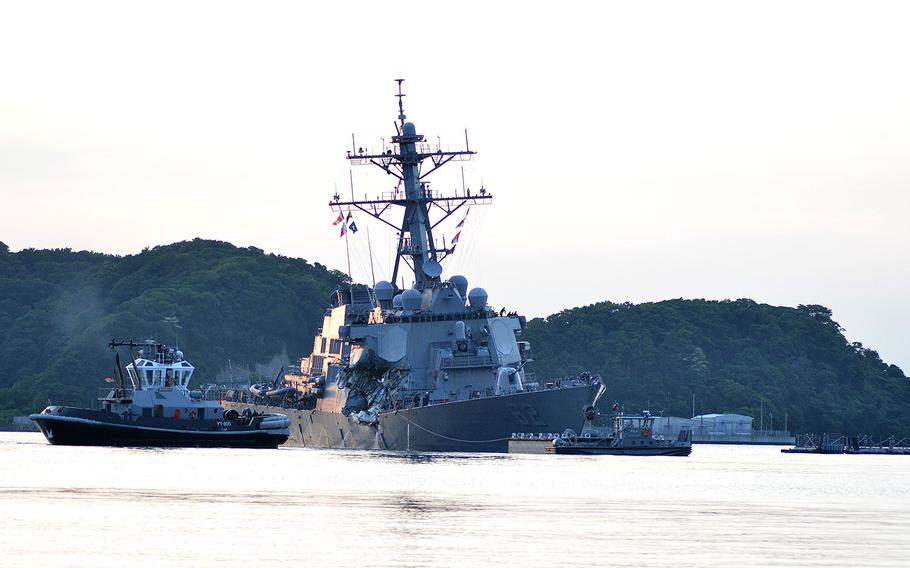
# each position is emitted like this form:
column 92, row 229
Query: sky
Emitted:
column 635, row 151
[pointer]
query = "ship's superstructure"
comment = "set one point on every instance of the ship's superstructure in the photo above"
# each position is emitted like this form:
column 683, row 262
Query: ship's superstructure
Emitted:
column 431, row 365
column 383, row 350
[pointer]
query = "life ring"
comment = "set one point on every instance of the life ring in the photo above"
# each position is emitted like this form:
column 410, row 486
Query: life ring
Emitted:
column 192, row 414
column 645, row 431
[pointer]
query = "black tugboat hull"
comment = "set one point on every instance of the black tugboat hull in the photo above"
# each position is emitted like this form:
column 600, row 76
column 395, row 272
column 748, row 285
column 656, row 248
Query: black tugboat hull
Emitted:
column 582, row 451
column 476, row 425
column 74, row 431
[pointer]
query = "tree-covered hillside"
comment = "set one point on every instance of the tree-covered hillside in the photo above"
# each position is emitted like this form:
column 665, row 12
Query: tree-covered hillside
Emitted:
column 732, row 355
column 59, row 308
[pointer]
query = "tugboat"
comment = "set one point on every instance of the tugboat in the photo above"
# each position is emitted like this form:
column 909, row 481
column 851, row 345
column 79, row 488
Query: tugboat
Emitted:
column 427, row 366
column 627, row 435
column 159, row 410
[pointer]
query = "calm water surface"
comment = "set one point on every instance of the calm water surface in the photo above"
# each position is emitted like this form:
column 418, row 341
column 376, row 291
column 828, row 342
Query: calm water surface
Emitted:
column 737, row 505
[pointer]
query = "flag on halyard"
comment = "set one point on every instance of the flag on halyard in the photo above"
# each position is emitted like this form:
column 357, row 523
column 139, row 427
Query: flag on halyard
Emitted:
column 463, row 219
column 457, row 236
column 344, row 229
column 339, row 219
column 353, row 227
column 349, row 217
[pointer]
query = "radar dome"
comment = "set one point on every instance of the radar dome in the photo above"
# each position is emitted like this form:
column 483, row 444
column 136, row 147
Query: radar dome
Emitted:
column 384, row 291
column 409, row 129
column 411, row 299
column 432, row 268
column 396, row 301
column 461, row 284
column 477, row 298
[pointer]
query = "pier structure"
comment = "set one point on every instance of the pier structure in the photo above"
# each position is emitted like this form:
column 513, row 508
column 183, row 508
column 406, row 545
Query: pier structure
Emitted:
column 830, row 443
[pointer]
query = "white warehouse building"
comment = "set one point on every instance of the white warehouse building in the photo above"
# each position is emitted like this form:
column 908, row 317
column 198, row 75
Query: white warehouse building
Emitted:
column 722, row 424
column 720, row 429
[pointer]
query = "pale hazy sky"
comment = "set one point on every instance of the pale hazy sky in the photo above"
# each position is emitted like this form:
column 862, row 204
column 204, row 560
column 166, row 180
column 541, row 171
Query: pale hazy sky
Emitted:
column 636, row 151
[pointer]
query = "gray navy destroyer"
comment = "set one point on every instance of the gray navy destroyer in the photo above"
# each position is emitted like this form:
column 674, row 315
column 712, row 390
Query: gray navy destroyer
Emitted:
column 431, row 367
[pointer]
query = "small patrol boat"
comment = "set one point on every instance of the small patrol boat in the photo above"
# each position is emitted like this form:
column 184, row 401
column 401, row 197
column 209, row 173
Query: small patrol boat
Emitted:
column 159, row 410
column 626, row 435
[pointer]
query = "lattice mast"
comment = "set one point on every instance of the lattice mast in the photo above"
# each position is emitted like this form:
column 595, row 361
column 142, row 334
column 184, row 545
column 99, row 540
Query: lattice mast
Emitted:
column 404, row 159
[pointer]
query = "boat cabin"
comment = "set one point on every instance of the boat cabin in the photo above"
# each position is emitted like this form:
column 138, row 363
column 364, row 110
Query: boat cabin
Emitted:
column 161, row 377
column 149, row 374
column 633, row 426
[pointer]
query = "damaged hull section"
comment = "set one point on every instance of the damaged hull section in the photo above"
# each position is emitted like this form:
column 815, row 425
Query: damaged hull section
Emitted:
column 476, row 425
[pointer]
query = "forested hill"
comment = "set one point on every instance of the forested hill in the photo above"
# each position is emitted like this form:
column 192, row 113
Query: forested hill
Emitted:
column 59, row 308
column 732, row 355
column 239, row 307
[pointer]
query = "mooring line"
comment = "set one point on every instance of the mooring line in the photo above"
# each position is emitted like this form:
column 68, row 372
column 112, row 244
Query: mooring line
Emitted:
column 443, row 436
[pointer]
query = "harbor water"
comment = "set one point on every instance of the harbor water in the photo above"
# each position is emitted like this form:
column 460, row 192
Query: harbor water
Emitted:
column 737, row 505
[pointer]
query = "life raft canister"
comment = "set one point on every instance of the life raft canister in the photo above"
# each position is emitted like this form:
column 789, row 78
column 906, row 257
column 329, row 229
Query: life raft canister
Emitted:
column 645, row 431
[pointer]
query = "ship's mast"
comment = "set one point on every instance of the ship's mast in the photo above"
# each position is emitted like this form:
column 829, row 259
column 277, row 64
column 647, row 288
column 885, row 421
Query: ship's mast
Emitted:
column 404, row 160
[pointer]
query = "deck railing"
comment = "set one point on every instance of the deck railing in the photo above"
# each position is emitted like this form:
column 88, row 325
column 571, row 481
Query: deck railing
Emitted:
column 469, row 361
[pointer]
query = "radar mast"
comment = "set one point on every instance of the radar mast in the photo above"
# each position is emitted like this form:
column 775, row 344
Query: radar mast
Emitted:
column 404, row 158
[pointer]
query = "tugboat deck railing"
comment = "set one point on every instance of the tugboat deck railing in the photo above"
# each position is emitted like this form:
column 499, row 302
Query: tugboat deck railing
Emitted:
column 115, row 392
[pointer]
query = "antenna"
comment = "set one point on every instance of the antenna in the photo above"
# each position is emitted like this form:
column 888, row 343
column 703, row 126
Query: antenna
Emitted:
column 370, row 247
column 408, row 159
column 400, row 95
column 347, row 248
column 176, row 323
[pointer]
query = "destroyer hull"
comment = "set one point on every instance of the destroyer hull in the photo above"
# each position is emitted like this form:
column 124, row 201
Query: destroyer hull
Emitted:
column 74, row 431
column 476, row 425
